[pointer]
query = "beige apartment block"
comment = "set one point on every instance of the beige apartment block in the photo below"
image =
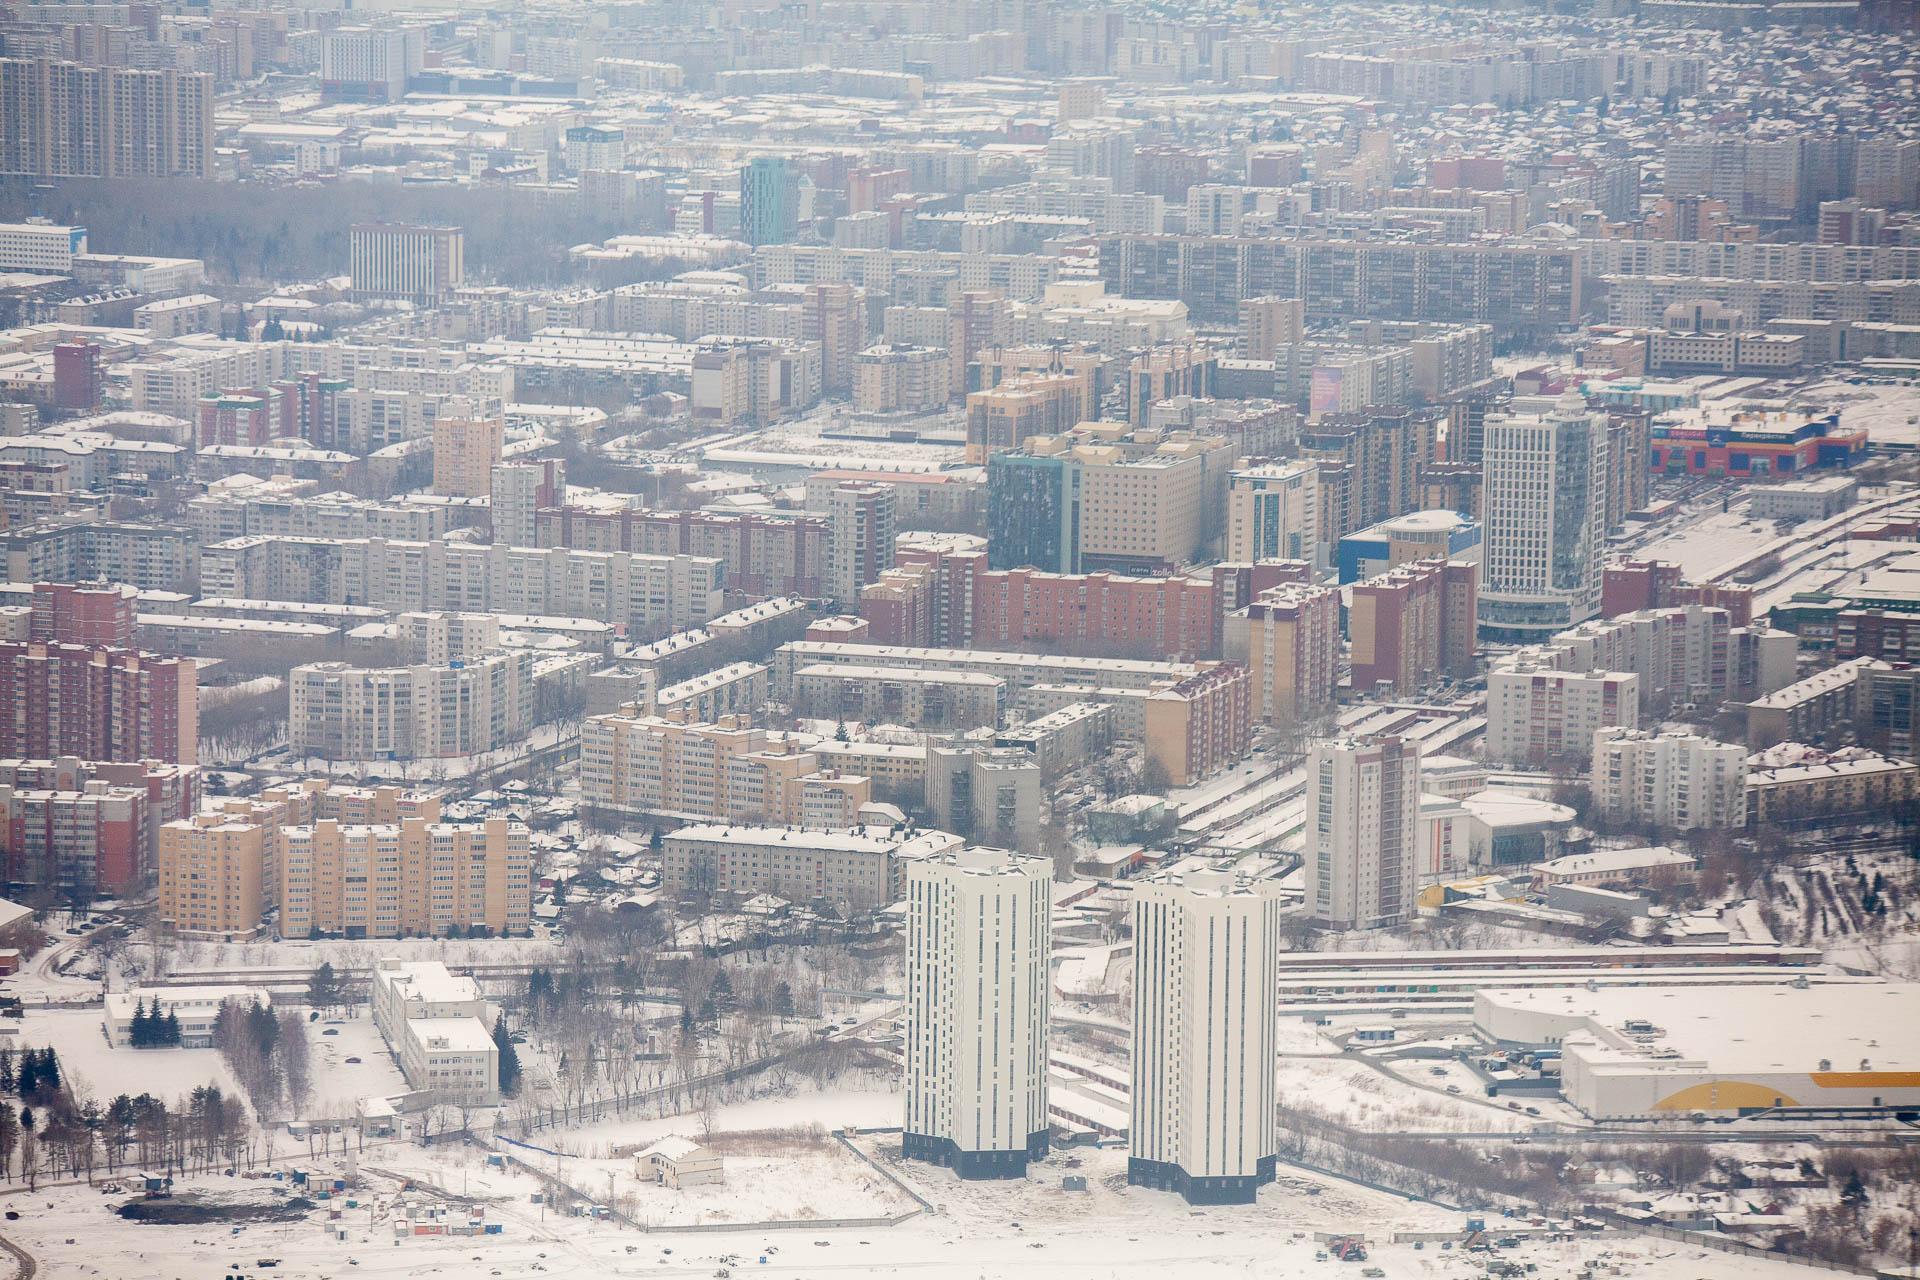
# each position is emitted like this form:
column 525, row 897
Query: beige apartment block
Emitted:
column 405, row 879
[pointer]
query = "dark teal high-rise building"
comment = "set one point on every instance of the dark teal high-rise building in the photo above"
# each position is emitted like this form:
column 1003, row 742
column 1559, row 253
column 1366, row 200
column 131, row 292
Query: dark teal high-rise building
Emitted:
column 1033, row 513
column 769, row 201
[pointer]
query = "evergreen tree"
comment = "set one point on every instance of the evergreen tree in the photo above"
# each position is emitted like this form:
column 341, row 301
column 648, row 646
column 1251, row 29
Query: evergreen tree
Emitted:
column 323, row 988
column 783, row 1000
column 29, row 1079
column 140, row 1032
column 172, row 1024
column 50, row 1067
column 721, row 993
column 263, row 1028
column 509, row 1059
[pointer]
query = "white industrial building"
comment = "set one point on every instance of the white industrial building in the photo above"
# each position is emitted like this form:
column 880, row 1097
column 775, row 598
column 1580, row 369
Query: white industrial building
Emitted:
column 1680, row 781
column 679, row 1163
column 1205, row 982
column 1362, row 842
column 194, row 1007
column 1715, row 1049
column 436, row 1026
column 979, row 938
column 41, row 247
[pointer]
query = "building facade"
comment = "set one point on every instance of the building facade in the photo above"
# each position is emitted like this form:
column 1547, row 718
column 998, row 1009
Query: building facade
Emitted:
column 978, row 1015
column 1205, row 982
column 468, row 706
column 1362, row 840
column 395, row 260
column 1546, row 520
column 97, row 704
column 413, row 878
column 858, row 869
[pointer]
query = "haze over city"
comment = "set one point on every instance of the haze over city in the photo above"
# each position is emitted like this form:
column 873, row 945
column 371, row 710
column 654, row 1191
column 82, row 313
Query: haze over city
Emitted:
column 1088, row 639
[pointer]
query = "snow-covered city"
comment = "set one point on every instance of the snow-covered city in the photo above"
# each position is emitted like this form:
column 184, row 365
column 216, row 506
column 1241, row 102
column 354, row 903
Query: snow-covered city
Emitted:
column 1089, row 639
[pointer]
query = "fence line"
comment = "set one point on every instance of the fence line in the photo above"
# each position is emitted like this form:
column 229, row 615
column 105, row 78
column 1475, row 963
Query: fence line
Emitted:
column 1713, row 1240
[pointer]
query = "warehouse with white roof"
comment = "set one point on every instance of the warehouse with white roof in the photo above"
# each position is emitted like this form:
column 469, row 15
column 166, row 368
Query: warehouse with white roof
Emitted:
column 1716, row 1049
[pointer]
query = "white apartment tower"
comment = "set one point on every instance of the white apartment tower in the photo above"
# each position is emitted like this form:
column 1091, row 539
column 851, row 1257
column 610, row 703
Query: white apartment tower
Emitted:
column 1205, row 981
column 1546, row 520
column 1363, row 807
column 394, row 260
column 519, row 491
column 860, row 534
column 1679, row 781
column 979, row 935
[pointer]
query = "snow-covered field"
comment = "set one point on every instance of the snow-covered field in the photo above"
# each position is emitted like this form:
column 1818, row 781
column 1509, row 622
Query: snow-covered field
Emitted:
column 1356, row 1094
column 92, row 1066
column 1028, row 1228
column 804, row 1108
column 339, row 1084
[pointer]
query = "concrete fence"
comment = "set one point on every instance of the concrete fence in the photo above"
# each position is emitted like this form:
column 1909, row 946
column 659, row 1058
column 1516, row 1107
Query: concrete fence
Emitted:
column 1710, row 1240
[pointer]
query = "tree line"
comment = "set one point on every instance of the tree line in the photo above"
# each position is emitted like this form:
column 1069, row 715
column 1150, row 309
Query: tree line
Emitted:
column 153, row 1029
column 44, row 1127
column 267, row 1052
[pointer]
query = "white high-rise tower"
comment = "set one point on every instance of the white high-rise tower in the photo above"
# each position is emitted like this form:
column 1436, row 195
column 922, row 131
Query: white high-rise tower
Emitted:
column 979, row 936
column 1363, row 808
column 1205, row 983
column 1546, row 517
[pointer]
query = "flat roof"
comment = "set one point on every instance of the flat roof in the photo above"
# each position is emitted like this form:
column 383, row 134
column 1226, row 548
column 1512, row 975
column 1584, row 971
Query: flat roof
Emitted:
column 906, row 675
column 874, row 840
column 461, row 1035
column 1616, row 860
column 1498, row 807
column 1754, row 1029
column 427, row 980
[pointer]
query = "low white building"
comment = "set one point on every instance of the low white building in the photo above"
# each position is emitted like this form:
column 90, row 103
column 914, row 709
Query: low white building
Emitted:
column 1615, row 866
column 679, row 1163
column 1815, row 498
column 195, row 1007
column 41, row 247
column 862, row 868
column 436, row 1025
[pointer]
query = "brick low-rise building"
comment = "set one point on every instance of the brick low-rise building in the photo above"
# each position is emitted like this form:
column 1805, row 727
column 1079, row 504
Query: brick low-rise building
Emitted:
column 862, row 869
